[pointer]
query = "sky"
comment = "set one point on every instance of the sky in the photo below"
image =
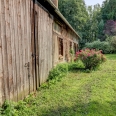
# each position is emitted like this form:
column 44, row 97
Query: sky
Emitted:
column 93, row 2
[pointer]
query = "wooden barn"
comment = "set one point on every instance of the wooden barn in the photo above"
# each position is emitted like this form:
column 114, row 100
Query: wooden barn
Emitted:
column 34, row 37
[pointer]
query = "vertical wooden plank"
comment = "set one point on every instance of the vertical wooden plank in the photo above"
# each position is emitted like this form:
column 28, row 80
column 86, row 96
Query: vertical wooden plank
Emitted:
column 41, row 18
column 53, row 50
column 37, row 46
column 4, row 51
column 12, row 26
column 20, row 78
column 25, row 46
column 40, row 47
column 51, row 25
column 32, row 44
column 28, row 43
column 44, row 47
column 17, row 48
column 29, row 46
column 11, row 41
column 21, row 49
column 47, row 47
column 30, row 58
column 9, row 50
column 1, row 65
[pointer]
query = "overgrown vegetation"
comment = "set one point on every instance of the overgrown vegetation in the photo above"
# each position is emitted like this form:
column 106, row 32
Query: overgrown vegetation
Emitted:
column 108, row 46
column 98, row 45
column 77, row 94
column 91, row 58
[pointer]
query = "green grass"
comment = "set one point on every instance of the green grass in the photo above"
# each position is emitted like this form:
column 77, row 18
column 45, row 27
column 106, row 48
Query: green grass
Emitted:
column 111, row 56
column 78, row 94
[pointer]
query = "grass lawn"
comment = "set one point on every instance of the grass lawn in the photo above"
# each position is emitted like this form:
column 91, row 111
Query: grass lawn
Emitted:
column 78, row 94
column 111, row 56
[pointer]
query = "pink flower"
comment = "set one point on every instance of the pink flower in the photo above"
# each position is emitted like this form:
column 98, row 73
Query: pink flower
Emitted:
column 89, row 54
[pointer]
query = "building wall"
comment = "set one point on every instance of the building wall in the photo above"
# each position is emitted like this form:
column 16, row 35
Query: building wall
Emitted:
column 15, row 49
column 45, row 46
column 29, row 47
column 68, row 37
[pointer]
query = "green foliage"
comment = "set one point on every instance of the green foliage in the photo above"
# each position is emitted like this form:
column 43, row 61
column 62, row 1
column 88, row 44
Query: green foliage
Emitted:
column 113, row 43
column 108, row 10
column 59, row 71
column 91, row 58
column 78, row 94
column 71, row 51
column 72, row 55
column 75, row 66
column 8, row 109
column 98, row 45
column 75, row 12
column 108, row 18
column 93, row 22
column 90, row 21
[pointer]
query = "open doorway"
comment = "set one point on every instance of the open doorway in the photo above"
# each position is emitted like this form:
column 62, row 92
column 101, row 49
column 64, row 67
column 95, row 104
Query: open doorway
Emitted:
column 60, row 48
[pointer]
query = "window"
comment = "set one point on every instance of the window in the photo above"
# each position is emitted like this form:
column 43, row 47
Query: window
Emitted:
column 60, row 46
column 57, row 28
column 75, row 48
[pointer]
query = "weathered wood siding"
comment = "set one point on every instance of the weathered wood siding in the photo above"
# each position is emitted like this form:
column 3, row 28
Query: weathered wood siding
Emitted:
column 15, row 49
column 26, row 54
column 29, row 47
column 44, row 42
column 68, row 37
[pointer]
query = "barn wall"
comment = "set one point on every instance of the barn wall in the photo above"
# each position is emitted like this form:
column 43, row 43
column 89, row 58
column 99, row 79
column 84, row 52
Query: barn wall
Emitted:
column 24, row 38
column 44, row 27
column 68, row 36
column 15, row 49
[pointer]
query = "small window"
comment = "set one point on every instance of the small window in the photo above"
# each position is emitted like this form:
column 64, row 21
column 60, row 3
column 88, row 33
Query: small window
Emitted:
column 60, row 46
column 57, row 27
column 75, row 48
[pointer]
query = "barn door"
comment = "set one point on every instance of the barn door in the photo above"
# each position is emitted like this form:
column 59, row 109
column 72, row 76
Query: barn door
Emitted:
column 35, row 51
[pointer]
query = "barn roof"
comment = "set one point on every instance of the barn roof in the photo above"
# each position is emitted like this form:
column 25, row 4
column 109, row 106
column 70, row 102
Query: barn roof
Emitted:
column 56, row 10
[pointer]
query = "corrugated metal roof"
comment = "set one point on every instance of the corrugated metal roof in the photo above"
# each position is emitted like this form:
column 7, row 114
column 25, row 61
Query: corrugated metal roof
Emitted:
column 61, row 16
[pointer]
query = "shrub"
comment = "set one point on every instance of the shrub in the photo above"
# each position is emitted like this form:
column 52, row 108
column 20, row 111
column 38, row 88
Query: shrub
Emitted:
column 91, row 58
column 113, row 43
column 98, row 45
column 75, row 65
column 8, row 109
column 106, row 48
column 58, row 72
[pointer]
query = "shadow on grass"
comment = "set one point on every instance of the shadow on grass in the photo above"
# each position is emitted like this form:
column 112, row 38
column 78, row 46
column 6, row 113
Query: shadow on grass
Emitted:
column 80, row 109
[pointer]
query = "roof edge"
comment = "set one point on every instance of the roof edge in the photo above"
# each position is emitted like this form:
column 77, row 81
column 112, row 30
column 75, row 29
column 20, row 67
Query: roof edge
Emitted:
column 62, row 17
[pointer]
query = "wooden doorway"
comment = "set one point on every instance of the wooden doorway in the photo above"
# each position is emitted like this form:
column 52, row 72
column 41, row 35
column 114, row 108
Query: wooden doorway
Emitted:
column 35, row 51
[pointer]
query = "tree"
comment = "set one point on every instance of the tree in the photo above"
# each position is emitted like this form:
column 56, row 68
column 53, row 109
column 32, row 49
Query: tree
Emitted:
column 107, row 25
column 108, row 10
column 75, row 12
column 110, row 28
column 93, row 22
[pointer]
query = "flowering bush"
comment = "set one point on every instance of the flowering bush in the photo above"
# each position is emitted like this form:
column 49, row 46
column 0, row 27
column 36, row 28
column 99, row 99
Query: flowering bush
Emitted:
column 91, row 58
